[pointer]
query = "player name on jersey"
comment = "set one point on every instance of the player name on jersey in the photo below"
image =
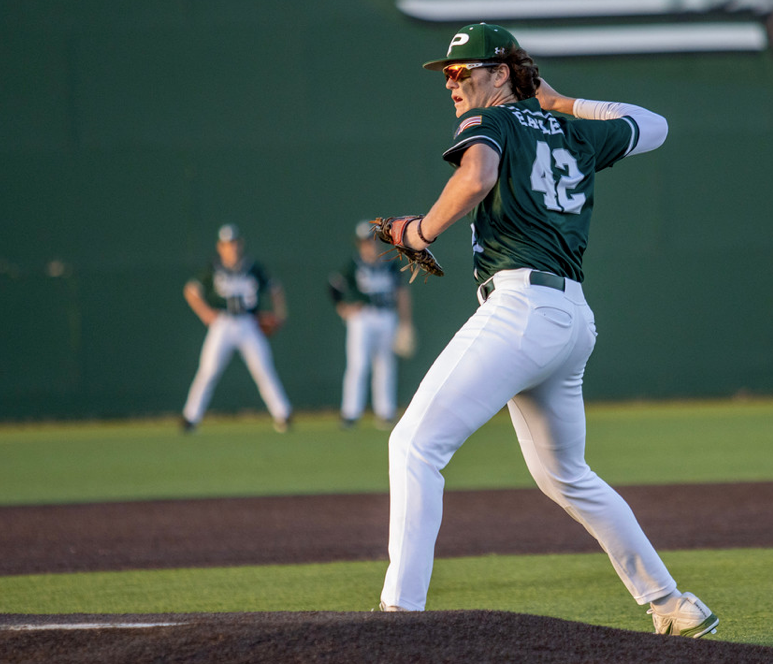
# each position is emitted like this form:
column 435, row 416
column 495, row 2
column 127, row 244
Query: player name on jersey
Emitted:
column 545, row 122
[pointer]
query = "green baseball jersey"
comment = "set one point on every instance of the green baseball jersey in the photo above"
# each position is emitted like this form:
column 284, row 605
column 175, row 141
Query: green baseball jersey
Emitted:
column 238, row 290
column 538, row 213
column 375, row 284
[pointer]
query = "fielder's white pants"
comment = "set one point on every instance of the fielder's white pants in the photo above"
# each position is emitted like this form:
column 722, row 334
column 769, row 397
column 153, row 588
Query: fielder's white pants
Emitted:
column 370, row 333
column 226, row 334
column 526, row 347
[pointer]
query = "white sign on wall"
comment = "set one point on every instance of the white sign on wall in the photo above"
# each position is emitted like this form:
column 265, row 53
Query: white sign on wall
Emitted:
column 561, row 27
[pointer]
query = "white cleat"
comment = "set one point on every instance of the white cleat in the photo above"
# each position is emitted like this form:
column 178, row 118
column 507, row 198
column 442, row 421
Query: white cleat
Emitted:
column 384, row 607
column 691, row 618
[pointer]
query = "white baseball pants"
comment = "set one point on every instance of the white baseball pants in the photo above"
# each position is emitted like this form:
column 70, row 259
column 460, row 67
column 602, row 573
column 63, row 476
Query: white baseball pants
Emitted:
column 226, row 334
column 370, row 334
column 526, row 347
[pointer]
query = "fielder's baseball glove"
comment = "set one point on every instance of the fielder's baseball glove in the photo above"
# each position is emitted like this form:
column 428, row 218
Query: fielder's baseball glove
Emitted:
column 391, row 231
column 404, row 344
column 269, row 323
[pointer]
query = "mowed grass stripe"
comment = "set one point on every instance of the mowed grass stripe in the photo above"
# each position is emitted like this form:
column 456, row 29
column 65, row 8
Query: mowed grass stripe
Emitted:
column 573, row 587
column 646, row 443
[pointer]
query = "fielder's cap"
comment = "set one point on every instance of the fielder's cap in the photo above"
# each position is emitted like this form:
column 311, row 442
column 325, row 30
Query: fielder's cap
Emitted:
column 481, row 41
column 229, row 233
column 364, row 230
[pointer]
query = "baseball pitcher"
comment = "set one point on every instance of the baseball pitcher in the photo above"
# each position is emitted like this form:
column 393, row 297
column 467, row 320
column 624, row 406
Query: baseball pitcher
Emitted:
column 526, row 176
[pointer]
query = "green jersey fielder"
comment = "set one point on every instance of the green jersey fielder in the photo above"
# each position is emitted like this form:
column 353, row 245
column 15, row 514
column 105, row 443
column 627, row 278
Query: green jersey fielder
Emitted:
column 372, row 300
column 227, row 298
column 527, row 179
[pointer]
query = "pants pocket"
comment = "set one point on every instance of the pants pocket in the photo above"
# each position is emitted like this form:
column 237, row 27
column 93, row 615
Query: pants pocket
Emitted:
column 548, row 334
column 559, row 317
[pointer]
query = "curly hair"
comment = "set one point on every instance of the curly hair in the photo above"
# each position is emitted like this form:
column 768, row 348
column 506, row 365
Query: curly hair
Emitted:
column 524, row 74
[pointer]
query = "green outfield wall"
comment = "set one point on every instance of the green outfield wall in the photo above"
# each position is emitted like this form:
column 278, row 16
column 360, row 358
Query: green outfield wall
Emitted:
column 130, row 131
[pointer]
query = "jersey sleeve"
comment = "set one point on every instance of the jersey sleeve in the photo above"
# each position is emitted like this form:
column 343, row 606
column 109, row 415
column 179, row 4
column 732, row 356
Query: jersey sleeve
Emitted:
column 349, row 283
column 262, row 277
column 475, row 126
column 204, row 276
column 399, row 277
column 611, row 139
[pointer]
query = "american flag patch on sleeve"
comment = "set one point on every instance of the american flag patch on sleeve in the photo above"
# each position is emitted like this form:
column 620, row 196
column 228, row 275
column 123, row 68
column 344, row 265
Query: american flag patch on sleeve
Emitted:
column 469, row 122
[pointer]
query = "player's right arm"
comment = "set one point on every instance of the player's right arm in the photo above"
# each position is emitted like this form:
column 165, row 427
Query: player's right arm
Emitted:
column 343, row 291
column 653, row 128
column 194, row 296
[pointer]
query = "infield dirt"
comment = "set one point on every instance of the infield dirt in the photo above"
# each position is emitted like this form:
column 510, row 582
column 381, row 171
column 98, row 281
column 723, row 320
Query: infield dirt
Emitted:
column 256, row 531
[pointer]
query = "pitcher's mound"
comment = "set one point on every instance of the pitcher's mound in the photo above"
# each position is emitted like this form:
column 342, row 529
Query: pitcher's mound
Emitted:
column 451, row 637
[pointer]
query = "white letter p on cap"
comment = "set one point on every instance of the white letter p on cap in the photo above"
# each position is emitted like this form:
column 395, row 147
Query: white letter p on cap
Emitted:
column 458, row 40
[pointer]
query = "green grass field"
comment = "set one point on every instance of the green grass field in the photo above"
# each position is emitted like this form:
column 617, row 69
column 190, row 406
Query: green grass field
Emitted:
column 551, row 585
column 627, row 444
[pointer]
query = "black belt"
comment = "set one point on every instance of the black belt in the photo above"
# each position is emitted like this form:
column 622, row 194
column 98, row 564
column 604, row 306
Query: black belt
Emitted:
column 535, row 279
column 547, row 279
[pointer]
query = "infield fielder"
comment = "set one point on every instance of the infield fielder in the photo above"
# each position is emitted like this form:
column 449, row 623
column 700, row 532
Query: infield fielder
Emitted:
column 226, row 298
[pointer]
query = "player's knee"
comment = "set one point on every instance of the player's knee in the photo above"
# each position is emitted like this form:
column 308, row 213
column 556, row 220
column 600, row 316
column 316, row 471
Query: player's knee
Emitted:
column 565, row 488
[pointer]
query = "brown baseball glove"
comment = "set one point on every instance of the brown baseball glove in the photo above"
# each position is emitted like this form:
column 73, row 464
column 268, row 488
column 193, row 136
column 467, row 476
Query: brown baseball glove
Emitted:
column 269, row 323
column 392, row 231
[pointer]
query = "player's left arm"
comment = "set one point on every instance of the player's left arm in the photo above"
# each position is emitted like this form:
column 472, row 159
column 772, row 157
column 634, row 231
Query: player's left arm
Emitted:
column 272, row 320
column 405, row 341
column 278, row 301
column 474, row 178
column 404, row 305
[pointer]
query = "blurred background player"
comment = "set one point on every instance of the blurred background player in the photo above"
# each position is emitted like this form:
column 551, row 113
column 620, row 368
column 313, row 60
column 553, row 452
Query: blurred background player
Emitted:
column 375, row 305
column 229, row 298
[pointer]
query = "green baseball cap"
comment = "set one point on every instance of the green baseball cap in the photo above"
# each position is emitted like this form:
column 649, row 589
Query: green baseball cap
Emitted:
column 480, row 41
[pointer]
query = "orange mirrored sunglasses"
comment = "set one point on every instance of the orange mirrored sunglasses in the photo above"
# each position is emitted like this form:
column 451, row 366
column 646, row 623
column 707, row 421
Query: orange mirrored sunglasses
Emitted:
column 461, row 70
